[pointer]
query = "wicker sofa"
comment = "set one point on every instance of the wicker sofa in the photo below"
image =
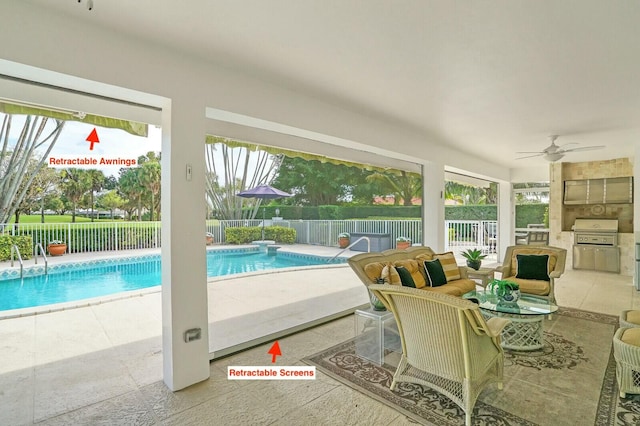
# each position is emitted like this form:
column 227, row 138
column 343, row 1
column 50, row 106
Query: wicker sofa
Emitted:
column 369, row 267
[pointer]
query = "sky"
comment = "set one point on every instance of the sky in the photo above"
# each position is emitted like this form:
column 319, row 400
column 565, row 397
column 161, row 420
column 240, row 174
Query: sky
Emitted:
column 114, row 144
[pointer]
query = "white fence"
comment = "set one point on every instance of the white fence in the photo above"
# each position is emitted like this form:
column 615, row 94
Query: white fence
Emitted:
column 102, row 236
column 465, row 234
column 88, row 237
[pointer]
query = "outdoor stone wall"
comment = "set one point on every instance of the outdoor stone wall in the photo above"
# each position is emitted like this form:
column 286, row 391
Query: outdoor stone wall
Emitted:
column 562, row 217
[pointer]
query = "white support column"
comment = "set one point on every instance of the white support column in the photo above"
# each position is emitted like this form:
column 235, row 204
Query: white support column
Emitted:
column 184, row 277
column 433, row 206
column 506, row 218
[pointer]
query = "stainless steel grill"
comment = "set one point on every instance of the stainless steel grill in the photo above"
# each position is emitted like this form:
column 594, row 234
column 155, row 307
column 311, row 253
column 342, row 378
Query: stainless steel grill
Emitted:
column 595, row 245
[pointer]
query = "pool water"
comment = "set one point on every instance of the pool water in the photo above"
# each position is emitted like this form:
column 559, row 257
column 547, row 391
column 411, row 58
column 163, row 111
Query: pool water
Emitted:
column 64, row 284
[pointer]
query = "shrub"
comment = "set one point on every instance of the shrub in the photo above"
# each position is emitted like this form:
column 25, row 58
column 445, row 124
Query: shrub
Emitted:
column 24, row 242
column 244, row 235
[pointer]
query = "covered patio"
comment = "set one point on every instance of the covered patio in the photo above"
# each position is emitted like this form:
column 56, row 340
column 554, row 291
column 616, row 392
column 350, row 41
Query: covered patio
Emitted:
column 429, row 87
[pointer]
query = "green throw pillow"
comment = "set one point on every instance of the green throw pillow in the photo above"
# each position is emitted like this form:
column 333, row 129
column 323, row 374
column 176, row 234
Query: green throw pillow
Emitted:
column 533, row 267
column 405, row 277
column 435, row 273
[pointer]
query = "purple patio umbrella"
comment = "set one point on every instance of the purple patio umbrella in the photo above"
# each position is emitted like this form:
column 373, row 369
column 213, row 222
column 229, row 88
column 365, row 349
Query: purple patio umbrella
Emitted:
column 264, row 192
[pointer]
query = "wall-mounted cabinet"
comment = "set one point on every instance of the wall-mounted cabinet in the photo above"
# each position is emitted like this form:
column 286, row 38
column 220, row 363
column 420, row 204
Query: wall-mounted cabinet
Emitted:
column 599, row 191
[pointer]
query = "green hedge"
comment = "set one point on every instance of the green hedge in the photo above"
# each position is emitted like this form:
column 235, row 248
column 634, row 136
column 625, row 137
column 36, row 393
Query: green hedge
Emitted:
column 24, row 242
column 467, row 212
column 471, row 212
column 244, row 235
column 531, row 213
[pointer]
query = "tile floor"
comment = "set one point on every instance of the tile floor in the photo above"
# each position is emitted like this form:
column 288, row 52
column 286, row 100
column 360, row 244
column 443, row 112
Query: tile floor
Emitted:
column 102, row 364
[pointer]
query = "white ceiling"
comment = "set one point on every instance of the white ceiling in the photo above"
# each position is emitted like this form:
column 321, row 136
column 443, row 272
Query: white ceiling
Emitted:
column 487, row 77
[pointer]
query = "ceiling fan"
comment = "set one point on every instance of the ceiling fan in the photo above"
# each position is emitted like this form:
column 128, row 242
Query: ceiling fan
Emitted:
column 556, row 152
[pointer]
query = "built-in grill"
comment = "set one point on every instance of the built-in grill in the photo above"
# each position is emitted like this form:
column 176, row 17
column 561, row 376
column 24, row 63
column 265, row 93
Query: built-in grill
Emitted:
column 595, row 245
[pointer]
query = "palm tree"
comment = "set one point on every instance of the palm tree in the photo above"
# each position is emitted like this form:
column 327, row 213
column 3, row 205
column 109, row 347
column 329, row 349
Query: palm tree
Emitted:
column 74, row 184
column 97, row 182
column 405, row 186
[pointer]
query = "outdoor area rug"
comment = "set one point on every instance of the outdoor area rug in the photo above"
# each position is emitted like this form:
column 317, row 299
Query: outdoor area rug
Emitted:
column 570, row 381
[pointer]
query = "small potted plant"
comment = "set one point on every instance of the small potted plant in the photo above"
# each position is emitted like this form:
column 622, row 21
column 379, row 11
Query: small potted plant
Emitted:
column 344, row 240
column 56, row 247
column 209, row 238
column 403, row 243
column 507, row 291
column 474, row 258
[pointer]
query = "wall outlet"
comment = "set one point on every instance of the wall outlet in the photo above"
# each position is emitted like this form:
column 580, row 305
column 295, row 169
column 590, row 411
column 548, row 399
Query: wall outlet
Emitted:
column 192, row 334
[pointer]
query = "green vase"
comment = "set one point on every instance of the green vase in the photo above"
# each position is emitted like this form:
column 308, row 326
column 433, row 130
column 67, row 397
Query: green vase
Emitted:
column 376, row 303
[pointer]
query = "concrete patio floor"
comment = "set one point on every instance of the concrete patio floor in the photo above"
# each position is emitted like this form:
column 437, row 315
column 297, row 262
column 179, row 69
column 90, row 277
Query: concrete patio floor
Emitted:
column 102, row 363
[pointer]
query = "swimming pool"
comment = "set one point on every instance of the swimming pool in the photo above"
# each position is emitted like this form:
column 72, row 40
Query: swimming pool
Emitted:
column 79, row 281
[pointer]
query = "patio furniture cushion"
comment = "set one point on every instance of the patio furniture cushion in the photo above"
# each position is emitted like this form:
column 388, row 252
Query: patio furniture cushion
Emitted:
column 405, row 277
column 535, row 287
column 533, row 266
column 415, row 269
column 374, row 270
column 449, row 264
column 390, row 274
column 435, row 273
column 630, row 318
column 631, row 336
column 371, row 266
column 532, row 251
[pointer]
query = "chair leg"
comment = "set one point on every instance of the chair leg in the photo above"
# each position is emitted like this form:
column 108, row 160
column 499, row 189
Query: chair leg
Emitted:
column 467, row 419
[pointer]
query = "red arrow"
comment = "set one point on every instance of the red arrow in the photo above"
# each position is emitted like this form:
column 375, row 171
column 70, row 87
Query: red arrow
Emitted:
column 93, row 138
column 274, row 351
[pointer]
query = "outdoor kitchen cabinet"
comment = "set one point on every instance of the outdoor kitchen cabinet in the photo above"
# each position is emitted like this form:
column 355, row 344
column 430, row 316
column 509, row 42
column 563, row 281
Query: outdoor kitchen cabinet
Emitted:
column 599, row 191
column 597, row 258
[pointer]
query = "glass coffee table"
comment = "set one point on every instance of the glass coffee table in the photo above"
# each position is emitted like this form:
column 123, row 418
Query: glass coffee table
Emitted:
column 524, row 333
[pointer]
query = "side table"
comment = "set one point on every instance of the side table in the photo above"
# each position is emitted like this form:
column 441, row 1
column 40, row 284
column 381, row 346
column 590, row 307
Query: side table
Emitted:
column 485, row 275
column 376, row 331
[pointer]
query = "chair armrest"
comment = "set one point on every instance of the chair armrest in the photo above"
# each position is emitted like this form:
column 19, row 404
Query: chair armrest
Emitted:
column 496, row 325
column 555, row 274
column 463, row 272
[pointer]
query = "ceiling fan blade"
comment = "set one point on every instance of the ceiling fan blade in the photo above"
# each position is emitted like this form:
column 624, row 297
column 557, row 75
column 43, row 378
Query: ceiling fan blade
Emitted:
column 530, row 156
column 530, row 152
column 584, row 148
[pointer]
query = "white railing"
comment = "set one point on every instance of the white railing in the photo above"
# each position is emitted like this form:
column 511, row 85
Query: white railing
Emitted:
column 89, row 237
column 325, row 232
column 102, row 236
column 461, row 235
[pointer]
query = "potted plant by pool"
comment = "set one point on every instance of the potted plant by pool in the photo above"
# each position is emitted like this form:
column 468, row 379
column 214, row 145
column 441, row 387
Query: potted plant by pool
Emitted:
column 56, row 248
column 344, row 240
column 474, row 258
column 209, row 238
column 507, row 291
column 403, row 243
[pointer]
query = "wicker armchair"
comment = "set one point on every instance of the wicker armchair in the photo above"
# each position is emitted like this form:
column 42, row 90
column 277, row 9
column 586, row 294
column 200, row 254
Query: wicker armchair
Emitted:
column 446, row 343
column 557, row 260
column 626, row 350
column 630, row 318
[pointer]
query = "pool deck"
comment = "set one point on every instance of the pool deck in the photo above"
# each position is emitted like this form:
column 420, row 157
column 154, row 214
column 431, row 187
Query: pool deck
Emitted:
column 242, row 307
column 62, row 344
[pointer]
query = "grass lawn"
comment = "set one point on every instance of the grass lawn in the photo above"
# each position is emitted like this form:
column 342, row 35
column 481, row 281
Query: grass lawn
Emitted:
column 55, row 218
